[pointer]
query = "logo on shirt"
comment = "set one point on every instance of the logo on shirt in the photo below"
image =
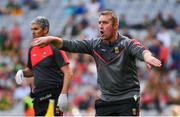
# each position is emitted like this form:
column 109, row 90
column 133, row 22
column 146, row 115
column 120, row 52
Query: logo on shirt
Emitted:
column 116, row 50
column 44, row 52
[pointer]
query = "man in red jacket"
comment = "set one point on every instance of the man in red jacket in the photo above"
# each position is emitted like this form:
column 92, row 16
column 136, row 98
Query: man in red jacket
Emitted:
column 50, row 69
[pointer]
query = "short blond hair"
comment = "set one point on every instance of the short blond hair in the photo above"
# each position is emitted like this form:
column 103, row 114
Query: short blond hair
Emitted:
column 115, row 18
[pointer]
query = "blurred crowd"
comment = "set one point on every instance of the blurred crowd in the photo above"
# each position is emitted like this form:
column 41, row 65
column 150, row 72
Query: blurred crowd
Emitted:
column 160, row 88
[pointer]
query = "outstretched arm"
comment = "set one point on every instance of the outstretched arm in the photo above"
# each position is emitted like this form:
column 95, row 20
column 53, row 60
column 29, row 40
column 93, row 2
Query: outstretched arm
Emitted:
column 76, row 46
column 43, row 41
column 140, row 52
column 150, row 60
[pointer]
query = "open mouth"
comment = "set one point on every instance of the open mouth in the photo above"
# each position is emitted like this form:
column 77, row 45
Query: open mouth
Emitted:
column 102, row 33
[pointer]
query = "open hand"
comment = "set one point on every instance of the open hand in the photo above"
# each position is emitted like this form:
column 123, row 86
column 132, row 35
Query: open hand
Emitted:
column 44, row 41
column 151, row 61
column 41, row 41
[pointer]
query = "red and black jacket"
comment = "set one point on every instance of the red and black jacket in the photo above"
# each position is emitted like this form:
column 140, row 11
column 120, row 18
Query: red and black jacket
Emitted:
column 46, row 65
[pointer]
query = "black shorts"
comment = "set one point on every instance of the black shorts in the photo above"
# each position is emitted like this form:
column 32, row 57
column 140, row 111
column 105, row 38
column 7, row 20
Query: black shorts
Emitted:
column 41, row 102
column 127, row 107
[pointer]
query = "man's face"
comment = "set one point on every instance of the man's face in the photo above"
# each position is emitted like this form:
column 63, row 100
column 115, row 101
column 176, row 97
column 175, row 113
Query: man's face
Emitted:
column 106, row 28
column 37, row 31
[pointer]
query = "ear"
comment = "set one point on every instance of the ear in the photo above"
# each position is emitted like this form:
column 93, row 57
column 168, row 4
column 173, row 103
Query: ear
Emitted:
column 46, row 31
column 116, row 25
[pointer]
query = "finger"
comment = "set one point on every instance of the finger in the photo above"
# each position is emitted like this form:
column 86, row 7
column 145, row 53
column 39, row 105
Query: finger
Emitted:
column 57, row 104
column 35, row 42
column 149, row 66
column 61, row 109
column 41, row 45
column 156, row 62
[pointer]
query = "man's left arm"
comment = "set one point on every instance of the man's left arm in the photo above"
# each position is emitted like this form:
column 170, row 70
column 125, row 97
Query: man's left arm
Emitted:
column 151, row 60
column 67, row 78
column 63, row 98
column 63, row 63
column 140, row 52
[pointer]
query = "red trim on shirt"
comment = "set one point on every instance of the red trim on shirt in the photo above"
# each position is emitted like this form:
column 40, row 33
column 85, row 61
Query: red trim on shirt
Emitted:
column 135, row 42
column 99, row 57
column 64, row 56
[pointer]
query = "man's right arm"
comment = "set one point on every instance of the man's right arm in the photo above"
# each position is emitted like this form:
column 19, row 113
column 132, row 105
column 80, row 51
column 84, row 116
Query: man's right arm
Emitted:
column 22, row 74
column 44, row 41
column 27, row 72
column 76, row 46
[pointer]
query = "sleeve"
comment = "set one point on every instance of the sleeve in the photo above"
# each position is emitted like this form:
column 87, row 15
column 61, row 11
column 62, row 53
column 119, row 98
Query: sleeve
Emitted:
column 29, row 64
column 78, row 46
column 61, row 58
column 136, row 49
